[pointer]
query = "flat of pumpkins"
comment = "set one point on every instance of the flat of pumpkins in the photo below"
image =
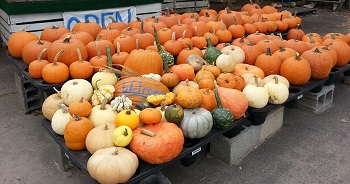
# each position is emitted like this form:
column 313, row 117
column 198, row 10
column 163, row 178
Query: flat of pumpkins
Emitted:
column 137, row 90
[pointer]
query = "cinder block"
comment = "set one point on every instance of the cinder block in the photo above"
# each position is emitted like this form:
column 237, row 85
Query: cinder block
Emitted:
column 232, row 151
column 317, row 102
column 61, row 159
column 272, row 124
column 156, row 178
column 347, row 80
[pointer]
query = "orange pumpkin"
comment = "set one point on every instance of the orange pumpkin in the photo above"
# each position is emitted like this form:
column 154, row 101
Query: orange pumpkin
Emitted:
column 53, row 33
column 183, row 71
column 242, row 68
column 170, row 80
column 294, row 65
column 150, row 116
column 117, row 25
column 18, row 40
column 208, row 99
column 35, row 67
column 90, row 27
column 119, row 57
column 155, row 145
column 127, row 43
column 55, row 72
column 252, row 52
column 76, row 131
column 173, row 46
column 144, row 62
column 321, row 63
column 189, row 97
column 180, row 32
column 32, row 49
column 99, row 45
column 109, row 34
column 234, row 100
column 269, row 63
column 80, row 107
column 80, row 69
column 181, row 58
column 82, row 36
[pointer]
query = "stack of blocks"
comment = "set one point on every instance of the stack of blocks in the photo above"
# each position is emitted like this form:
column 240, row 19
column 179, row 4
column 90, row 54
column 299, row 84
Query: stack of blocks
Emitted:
column 232, row 150
column 317, row 102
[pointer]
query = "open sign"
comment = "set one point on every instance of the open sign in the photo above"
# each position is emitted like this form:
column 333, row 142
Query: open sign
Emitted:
column 125, row 14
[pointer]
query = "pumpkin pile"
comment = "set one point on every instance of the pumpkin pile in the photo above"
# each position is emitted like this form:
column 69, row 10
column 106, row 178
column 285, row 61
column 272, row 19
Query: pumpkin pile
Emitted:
column 137, row 90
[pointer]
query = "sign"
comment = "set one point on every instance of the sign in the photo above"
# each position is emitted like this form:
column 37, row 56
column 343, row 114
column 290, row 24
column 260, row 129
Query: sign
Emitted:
column 125, row 14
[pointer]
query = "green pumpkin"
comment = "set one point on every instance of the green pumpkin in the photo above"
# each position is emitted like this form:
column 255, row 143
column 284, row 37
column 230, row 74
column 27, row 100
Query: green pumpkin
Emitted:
column 174, row 113
column 197, row 123
column 212, row 53
column 168, row 59
column 143, row 105
column 222, row 117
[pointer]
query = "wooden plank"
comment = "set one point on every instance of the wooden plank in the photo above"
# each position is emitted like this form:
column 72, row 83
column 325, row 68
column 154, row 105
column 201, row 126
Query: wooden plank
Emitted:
column 15, row 19
column 4, row 25
column 4, row 40
column 191, row 4
column 322, row 1
column 34, row 26
column 4, row 31
column 168, row 5
column 4, row 16
column 148, row 8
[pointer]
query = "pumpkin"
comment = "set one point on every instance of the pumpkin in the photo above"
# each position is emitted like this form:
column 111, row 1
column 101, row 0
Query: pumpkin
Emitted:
column 53, row 33
column 237, row 30
column 99, row 61
column 181, row 58
column 312, row 43
column 321, row 63
column 157, row 143
column 234, row 100
column 249, row 27
column 69, row 47
column 226, row 17
column 150, row 116
column 130, row 31
column 116, row 25
column 264, row 44
column 342, row 49
column 284, row 53
column 18, row 40
column 55, row 72
column 257, row 95
column 167, row 58
column 170, row 79
column 237, row 52
column 222, row 117
column 32, row 50
column 278, row 92
column 315, row 36
column 183, row 84
column 143, row 105
column 82, row 36
column 144, row 62
column 119, row 57
column 330, row 51
column 211, row 53
column 297, row 45
column 173, row 46
column 242, row 68
column 127, row 43
column 75, row 89
column 174, row 114
column 251, row 52
column 49, row 106
column 128, row 118
column 169, row 19
column 181, row 30
column 35, row 67
column 102, row 114
column 98, row 47
column 112, row 165
column 207, row 17
column 138, row 88
column 196, row 123
column 252, row 79
column 80, row 69
column 212, row 69
column 80, row 107
column 208, row 99
column 92, row 28
column 293, row 65
column 250, row 5
column 269, row 63
column 100, row 137
column 109, row 34
column 135, row 23
column 271, row 78
column 150, row 25
column 76, row 131
column 295, row 33
column 189, row 97
column 60, row 119
column 340, row 36
column 183, row 71
column 198, row 40
column 104, row 76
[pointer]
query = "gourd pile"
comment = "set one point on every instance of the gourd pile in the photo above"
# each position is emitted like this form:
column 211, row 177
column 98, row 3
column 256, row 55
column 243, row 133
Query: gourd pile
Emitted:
column 137, row 90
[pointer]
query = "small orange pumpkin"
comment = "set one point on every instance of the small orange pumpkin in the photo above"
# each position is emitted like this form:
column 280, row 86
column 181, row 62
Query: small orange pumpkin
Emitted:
column 150, row 116
column 80, row 107
column 76, row 131
column 189, row 97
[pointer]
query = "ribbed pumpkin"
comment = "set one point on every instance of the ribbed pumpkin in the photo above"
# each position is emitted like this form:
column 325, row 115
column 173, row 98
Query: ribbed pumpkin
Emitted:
column 99, row 45
column 127, row 43
column 237, row 30
column 117, row 25
column 80, row 107
column 18, row 40
column 208, row 99
column 179, row 30
column 90, row 27
column 173, row 46
column 56, row 72
column 100, row 137
column 109, row 34
column 296, row 65
column 269, row 63
column 82, row 36
column 189, row 97
column 342, row 49
column 169, row 19
column 158, row 145
column 53, row 33
column 181, row 58
column 69, row 47
column 321, row 63
column 183, row 71
column 80, row 69
column 76, row 131
column 138, row 88
column 226, row 16
column 251, row 52
column 144, row 38
column 285, row 53
column 144, row 62
column 295, row 33
column 330, row 51
column 196, row 123
column 32, row 49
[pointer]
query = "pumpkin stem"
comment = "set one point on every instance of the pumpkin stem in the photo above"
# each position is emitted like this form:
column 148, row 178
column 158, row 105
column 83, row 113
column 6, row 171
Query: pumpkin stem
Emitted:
column 297, row 56
column 118, row 48
column 97, row 49
column 103, row 104
column 268, row 51
column 162, row 106
column 173, row 37
column 96, row 83
column 189, row 46
column 184, row 34
column 40, row 42
column 67, row 39
column 213, row 30
column 76, row 117
column 276, row 79
column 41, row 54
column 63, row 107
column 81, row 100
column 317, row 50
column 137, row 44
column 106, row 127
column 79, row 55
column 167, row 12
column 109, row 56
column 256, row 81
column 196, row 30
column 282, row 49
column 115, row 152
column 222, row 25
column 112, row 18
column 147, row 132
column 217, row 98
column 56, row 57
column 141, row 28
column 125, row 133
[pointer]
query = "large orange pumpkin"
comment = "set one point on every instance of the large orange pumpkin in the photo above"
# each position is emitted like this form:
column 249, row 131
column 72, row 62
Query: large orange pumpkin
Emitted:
column 157, row 143
column 144, row 62
column 53, row 33
column 234, row 100
column 296, row 65
column 18, row 40
column 321, row 63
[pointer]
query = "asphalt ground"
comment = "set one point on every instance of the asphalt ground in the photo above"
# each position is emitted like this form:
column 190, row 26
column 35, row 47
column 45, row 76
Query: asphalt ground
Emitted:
column 309, row 148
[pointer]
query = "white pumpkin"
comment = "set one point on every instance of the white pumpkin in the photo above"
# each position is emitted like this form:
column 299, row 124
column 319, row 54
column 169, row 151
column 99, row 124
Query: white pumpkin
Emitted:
column 103, row 77
column 226, row 63
column 60, row 119
column 249, row 78
column 100, row 137
column 102, row 114
column 196, row 123
column 49, row 106
column 237, row 52
column 75, row 89
column 278, row 92
column 281, row 79
column 257, row 96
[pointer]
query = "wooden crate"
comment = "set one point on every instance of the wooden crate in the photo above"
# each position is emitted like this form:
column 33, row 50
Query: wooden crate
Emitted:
column 37, row 22
column 182, row 6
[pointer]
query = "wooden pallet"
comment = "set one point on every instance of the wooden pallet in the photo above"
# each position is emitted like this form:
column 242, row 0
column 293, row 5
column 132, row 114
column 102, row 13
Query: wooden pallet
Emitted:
column 35, row 23
column 337, row 4
column 182, row 6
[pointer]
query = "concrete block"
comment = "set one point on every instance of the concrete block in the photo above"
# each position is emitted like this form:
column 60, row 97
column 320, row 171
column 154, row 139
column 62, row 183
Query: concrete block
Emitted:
column 272, row 124
column 232, row 151
column 61, row 159
column 347, row 80
column 317, row 102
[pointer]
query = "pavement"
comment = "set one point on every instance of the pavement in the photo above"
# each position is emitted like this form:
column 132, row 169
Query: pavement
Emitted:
column 309, row 148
